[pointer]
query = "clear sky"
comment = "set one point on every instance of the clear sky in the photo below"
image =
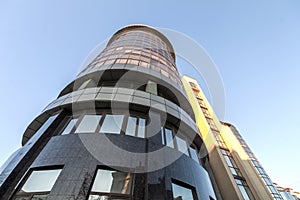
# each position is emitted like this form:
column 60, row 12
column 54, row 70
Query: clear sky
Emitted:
column 255, row 45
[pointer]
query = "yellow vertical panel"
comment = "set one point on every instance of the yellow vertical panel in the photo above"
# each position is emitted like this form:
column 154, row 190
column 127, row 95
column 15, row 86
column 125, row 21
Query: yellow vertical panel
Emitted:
column 201, row 122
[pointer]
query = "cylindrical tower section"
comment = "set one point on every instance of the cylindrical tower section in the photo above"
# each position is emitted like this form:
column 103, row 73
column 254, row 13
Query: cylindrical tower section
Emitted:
column 123, row 129
column 141, row 46
column 135, row 57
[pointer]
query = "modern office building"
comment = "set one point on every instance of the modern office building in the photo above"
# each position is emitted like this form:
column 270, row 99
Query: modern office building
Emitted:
column 235, row 171
column 123, row 129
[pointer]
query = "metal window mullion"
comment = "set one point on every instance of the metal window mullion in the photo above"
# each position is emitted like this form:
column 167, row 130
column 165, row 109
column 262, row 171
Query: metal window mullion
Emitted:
column 80, row 117
column 137, row 124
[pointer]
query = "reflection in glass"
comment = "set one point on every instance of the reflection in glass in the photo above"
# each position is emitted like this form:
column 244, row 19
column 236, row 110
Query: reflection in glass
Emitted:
column 244, row 193
column 40, row 197
column 86, row 84
column 229, row 163
column 105, row 197
column 108, row 181
column 131, row 126
column 98, row 197
column 112, row 124
column 244, row 189
column 21, row 198
column 181, row 193
column 194, row 154
column 169, row 137
column 141, row 128
column 41, row 181
column 233, row 171
column 88, row 124
column 162, row 135
column 181, row 145
column 70, row 126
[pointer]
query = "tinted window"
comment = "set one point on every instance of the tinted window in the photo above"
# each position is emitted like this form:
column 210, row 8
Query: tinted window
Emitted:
column 88, row 124
column 181, row 145
column 169, row 137
column 111, row 185
column 141, row 128
column 41, row 181
column 182, row 193
column 70, row 126
column 112, row 124
column 131, row 126
column 194, row 154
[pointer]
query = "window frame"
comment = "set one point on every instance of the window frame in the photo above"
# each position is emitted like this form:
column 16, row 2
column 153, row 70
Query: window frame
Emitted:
column 186, row 186
column 111, row 195
column 164, row 136
column 30, row 195
column 103, row 118
column 138, row 116
column 175, row 143
column 80, row 119
column 104, row 113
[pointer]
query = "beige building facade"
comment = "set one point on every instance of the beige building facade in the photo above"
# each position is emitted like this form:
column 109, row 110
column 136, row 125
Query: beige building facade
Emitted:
column 235, row 171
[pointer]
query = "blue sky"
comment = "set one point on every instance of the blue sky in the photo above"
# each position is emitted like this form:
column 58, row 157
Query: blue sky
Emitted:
column 255, row 46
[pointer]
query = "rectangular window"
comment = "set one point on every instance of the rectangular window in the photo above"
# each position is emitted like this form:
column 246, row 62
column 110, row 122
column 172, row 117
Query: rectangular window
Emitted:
column 153, row 62
column 169, row 141
column 111, row 185
column 69, row 126
column 133, row 62
column 144, row 64
column 245, row 190
column 165, row 73
column 131, row 126
column 108, row 62
column 228, row 161
column 112, row 124
column 141, row 128
column 183, row 193
column 39, row 181
column 88, row 124
column 233, row 171
column 121, row 61
column 163, row 139
column 87, row 84
column 36, row 181
column 136, row 127
column 194, row 154
column 182, row 145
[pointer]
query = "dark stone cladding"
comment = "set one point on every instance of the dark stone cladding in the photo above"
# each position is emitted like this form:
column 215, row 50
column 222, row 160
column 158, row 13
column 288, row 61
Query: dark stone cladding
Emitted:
column 82, row 154
column 80, row 166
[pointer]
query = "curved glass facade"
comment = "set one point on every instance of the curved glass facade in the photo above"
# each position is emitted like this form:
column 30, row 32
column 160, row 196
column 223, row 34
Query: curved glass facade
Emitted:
column 142, row 49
